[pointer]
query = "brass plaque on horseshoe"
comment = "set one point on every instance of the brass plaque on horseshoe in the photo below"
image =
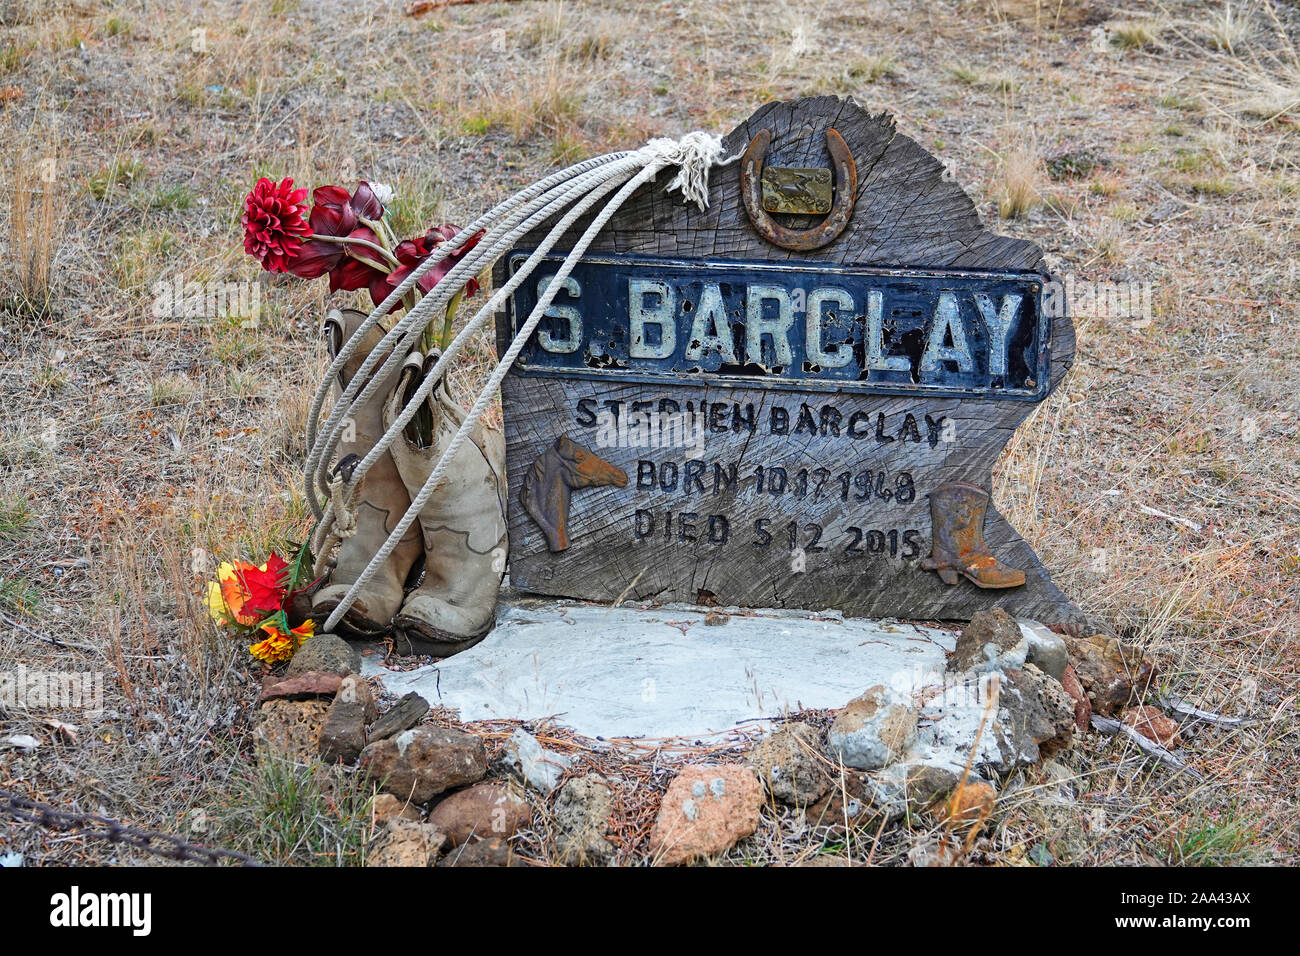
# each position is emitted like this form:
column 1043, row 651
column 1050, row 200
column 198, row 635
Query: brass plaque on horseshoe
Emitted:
column 797, row 190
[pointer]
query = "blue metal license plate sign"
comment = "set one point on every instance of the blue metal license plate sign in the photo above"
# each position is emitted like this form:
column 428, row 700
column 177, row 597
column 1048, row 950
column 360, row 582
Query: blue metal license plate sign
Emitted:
column 809, row 327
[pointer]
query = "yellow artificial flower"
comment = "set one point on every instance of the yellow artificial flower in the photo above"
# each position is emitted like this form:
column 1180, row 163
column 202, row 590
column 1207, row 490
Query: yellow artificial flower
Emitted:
column 281, row 646
column 228, row 594
column 217, row 609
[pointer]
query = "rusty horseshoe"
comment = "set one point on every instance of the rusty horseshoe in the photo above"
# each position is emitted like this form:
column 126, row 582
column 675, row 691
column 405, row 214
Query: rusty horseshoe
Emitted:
column 800, row 240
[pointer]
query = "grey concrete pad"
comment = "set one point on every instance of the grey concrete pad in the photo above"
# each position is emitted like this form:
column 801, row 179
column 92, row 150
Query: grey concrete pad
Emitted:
column 661, row 672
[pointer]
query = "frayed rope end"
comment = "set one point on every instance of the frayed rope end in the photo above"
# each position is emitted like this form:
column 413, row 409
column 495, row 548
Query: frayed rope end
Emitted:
column 694, row 155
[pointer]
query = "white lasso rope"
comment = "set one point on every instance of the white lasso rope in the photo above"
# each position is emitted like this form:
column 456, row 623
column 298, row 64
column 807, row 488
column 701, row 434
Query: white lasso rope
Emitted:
column 571, row 191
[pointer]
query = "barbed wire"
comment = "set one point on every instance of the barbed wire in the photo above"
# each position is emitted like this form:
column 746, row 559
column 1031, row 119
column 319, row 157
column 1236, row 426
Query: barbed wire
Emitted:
column 115, row 831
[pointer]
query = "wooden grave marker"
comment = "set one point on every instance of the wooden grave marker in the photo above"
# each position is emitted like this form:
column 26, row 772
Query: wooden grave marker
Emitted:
column 793, row 398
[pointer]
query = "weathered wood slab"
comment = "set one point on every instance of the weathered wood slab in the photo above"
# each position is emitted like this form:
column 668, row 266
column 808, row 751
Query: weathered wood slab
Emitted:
column 814, row 516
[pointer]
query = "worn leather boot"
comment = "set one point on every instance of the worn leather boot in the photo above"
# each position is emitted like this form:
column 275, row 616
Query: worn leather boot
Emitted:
column 957, row 518
column 381, row 502
column 464, row 523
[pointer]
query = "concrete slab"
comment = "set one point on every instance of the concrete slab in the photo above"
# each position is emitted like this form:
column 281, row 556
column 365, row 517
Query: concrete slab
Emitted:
column 661, row 672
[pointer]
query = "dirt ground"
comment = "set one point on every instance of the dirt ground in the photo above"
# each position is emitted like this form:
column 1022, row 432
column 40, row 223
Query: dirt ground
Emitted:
column 1138, row 142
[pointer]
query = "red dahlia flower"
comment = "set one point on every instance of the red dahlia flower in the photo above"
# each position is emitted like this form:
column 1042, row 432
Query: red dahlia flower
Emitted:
column 414, row 251
column 273, row 224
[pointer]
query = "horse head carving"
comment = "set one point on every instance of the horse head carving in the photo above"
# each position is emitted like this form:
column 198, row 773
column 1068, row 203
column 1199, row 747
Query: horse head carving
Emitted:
column 562, row 467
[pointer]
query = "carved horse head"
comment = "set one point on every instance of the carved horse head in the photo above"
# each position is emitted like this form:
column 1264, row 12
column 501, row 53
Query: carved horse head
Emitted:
column 550, row 479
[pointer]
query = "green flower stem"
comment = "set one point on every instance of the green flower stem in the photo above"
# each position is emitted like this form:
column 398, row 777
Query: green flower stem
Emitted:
column 380, row 228
column 388, row 233
column 443, row 338
column 347, row 241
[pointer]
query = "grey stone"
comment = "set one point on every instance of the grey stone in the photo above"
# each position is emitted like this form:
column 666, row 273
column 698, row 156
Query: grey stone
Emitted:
column 582, row 811
column 1058, row 783
column 945, row 851
column 406, row 713
column 1035, row 717
column 790, row 764
column 540, row 768
column 992, row 640
column 873, row 729
column 327, row 653
column 343, row 735
column 858, row 802
column 1047, row 649
column 922, row 783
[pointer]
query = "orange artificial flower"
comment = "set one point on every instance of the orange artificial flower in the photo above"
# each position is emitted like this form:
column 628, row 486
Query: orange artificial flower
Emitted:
column 227, row 596
column 281, row 645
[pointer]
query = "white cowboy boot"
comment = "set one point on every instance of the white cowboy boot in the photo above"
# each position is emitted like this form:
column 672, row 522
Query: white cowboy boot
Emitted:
column 381, row 502
column 463, row 523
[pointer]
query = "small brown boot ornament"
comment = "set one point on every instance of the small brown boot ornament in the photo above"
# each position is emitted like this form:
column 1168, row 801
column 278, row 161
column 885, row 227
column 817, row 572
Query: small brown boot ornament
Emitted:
column 957, row 518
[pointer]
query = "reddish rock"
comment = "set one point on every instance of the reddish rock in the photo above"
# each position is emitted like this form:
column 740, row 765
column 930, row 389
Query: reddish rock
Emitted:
column 387, row 807
column 482, row 853
column 486, row 810
column 1082, row 706
column 1113, row 674
column 1153, row 724
column 310, row 684
column 968, row 804
column 705, row 811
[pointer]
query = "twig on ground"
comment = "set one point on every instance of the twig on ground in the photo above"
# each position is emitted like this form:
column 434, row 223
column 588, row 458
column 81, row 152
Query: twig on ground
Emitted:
column 1108, row 725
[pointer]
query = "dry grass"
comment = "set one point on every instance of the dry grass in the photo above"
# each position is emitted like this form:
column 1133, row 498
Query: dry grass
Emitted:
column 1135, row 34
column 1232, row 28
column 1021, row 182
column 137, row 449
column 36, row 222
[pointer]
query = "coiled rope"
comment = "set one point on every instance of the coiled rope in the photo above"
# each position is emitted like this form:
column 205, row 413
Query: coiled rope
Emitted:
column 569, row 193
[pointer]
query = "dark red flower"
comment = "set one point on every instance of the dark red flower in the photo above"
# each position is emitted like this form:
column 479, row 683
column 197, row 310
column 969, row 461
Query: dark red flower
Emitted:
column 333, row 206
column 412, row 252
column 273, row 223
column 336, row 213
column 351, row 272
column 366, row 204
